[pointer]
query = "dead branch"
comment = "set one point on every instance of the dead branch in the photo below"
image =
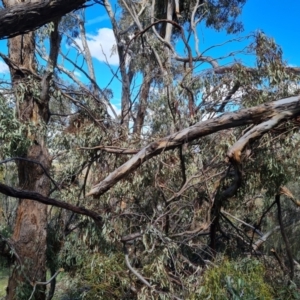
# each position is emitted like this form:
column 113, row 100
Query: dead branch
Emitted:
column 283, row 190
column 43, row 283
column 243, row 222
column 256, row 132
column 16, row 193
column 267, row 116
column 264, row 238
column 112, row 149
column 284, row 236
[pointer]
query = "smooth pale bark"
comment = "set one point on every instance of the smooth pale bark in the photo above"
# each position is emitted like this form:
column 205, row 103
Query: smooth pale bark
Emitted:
column 126, row 78
column 267, row 116
column 87, row 53
column 169, row 16
column 143, row 104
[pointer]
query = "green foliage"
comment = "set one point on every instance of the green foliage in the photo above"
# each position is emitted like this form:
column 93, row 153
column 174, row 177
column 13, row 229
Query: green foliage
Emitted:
column 4, row 273
column 168, row 202
column 24, row 291
column 106, row 277
column 101, row 276
column 12, row 132
column 288, row 292
column 237, row 280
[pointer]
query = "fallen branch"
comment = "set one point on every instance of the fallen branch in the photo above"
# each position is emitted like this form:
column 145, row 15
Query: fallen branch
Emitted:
column 243, row 222
column 284, row 237
column 285, row 191
column 272, row 114
column 264, row 238
column 141, row 278
column 112, row 149
column 256, row 132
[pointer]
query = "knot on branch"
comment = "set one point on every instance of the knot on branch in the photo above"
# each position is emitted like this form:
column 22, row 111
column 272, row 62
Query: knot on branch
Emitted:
column 233, row 156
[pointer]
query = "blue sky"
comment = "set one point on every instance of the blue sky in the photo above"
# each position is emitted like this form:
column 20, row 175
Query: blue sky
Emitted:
column 278, row 19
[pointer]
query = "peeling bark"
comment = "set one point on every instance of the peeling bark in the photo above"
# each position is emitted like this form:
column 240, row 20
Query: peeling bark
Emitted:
column 30, row 231
column 267, row 116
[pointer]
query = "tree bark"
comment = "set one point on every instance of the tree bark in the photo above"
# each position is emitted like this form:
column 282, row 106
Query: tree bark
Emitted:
column 267, row 116
column 30, row 230
column 30, row 15
column 126, row 78
column 141, row 113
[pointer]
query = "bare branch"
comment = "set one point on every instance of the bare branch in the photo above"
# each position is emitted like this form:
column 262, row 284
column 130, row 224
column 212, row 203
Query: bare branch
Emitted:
column 284, row 236
column 269, row 114
column 241, row 221
column 263, row 239
column 140, row 277
column 16, row 193
column 256, row 132
column 33, row 162
column 135, row 272
column 44, row 283
column 112, row 149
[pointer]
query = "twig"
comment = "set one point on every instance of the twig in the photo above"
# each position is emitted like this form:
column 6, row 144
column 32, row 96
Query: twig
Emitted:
column 241, row 221
column 285, row 239
column 135, row 272
column 43, row 283
column 34, row 162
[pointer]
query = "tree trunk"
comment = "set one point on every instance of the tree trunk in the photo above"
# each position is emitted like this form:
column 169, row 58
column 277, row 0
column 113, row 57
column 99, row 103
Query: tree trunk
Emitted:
column 29, row 236
column 141, row 113
column 126, row 78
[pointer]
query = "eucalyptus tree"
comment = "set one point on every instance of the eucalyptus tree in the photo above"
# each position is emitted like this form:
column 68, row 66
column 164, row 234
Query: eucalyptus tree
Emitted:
column 32, row 92
column 169, row 209
column 32, row 108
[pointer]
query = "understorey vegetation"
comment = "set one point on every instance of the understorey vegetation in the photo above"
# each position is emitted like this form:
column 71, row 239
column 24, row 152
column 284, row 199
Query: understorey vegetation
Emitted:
column 189, row 191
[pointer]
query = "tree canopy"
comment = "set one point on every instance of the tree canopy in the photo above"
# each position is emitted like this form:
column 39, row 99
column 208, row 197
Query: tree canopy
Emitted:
column 178, row 195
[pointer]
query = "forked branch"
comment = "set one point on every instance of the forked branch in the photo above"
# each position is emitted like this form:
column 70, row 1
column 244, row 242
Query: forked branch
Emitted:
column 267, row 116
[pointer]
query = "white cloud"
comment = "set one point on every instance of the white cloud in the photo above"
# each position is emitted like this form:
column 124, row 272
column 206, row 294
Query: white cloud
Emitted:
column 97, row 20
column 3, row 67
column 102, row 46
column 77, row 74
column 117, row 111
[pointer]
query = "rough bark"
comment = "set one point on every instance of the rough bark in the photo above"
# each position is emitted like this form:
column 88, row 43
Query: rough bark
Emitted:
column 267, row 116
column 30, row 15
column 29, row 235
